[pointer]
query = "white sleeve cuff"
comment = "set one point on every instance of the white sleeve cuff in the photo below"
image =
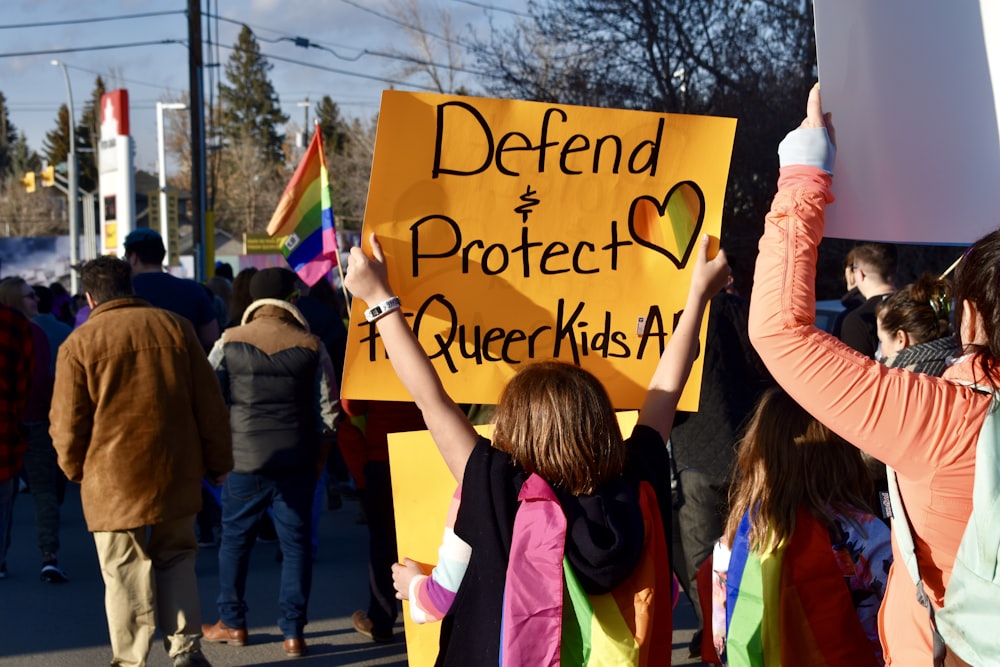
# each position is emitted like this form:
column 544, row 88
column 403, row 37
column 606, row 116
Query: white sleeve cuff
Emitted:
column 809, row 146
column 416, row 613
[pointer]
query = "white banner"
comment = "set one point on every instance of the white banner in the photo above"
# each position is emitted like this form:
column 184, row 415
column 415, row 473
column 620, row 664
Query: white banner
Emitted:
column 914, row 88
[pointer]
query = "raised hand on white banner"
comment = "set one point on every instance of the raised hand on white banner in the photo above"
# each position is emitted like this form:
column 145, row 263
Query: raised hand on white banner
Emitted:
column 815, row 116
column 812, row 142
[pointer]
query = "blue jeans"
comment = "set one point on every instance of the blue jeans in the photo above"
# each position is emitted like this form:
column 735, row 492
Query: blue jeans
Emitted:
column 245, row 499
column 45, row 478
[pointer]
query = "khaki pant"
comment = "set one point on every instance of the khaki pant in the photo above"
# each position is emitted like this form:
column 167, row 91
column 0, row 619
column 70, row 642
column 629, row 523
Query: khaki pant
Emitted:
column 149, row 576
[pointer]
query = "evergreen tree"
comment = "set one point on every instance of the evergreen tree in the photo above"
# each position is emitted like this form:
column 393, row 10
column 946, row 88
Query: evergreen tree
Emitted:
column 348, row 160
column 56, row 144
column 250, row 107
column 8, row 136
column 331, row 124
column 88, row 137
column 22, row 158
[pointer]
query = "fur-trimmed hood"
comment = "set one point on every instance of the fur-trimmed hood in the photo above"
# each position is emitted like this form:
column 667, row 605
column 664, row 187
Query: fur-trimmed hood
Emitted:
column 253, row 308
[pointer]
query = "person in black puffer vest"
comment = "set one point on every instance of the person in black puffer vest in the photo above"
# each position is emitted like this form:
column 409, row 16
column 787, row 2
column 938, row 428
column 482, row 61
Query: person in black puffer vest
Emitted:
column 282, row 393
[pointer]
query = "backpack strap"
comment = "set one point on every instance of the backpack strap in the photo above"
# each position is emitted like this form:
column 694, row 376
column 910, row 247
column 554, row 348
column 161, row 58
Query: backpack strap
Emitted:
column 908, row 549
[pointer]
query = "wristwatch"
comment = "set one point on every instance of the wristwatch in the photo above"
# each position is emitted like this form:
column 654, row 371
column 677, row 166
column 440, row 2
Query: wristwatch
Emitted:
column 382, row 308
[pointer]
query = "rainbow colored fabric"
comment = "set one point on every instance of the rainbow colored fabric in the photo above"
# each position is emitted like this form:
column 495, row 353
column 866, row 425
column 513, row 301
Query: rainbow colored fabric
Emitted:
column 791, row 606
column 549, row 620
column 305, row 215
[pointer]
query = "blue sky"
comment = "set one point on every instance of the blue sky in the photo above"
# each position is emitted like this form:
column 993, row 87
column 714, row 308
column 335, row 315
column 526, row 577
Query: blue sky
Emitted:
column 35, row 89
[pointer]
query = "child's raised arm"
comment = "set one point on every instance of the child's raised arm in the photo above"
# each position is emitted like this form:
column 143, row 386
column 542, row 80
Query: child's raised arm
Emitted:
column 672, row 372
column 452, row 432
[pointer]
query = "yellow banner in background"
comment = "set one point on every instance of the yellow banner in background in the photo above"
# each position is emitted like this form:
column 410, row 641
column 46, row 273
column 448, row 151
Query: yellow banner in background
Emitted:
column 520, row 231
column 259, row 243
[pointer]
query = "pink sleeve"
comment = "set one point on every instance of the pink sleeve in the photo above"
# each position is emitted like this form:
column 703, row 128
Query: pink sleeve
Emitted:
column 913, row 422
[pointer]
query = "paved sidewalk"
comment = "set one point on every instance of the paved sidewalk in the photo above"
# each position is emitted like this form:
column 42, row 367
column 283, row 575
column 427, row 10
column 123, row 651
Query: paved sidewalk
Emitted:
column 63, row 625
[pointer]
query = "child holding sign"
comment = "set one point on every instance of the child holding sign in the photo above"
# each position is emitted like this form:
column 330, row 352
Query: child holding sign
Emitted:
column 559, row 501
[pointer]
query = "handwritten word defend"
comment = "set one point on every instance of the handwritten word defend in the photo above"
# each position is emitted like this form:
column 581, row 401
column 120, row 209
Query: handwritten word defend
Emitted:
column 607, row 150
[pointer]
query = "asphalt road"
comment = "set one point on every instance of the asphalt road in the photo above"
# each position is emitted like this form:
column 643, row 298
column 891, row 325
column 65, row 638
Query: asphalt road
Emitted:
column 63, row 625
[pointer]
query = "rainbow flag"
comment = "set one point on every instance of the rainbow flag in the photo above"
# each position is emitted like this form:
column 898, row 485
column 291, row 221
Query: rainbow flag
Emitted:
column 305, row 215
column 792, row 606
column 549, row 620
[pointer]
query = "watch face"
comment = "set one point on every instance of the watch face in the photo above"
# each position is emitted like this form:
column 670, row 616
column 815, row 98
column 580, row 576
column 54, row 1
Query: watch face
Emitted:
column 376, row 311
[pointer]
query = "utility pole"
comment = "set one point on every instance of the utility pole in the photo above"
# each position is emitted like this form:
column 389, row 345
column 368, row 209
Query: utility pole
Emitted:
column 198, row 193
column 161, row 161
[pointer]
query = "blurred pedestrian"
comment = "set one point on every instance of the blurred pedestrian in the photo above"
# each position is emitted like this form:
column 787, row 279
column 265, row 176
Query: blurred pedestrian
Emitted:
column 17, row 362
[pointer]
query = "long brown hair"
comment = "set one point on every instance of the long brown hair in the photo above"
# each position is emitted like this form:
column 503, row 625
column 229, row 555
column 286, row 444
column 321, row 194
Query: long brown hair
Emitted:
column 977, row 280
column 556, row 419
column 788, row 460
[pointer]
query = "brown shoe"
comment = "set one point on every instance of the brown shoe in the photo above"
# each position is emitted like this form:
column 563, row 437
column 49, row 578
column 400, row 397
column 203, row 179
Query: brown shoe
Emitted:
column 295, row 647
column 220, row 632
column 363, row 625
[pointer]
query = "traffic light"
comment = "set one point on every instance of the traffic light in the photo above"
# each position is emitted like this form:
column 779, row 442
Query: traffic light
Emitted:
column 48, row 176
column 28, row 181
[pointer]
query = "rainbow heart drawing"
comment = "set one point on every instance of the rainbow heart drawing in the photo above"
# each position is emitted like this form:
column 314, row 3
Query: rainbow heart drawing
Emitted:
column 682, row 211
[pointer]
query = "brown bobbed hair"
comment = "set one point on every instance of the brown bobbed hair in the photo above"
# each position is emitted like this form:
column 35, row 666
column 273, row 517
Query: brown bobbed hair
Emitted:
column 977, row 280
column 555, row 419
column 787, row 460
column 921, row 309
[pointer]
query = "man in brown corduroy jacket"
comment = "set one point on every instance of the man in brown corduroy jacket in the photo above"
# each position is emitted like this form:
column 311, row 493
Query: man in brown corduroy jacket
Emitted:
column 137, row 418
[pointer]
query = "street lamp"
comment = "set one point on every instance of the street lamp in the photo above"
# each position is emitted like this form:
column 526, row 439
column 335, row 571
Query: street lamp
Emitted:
column 161, row 158
column 72, row 187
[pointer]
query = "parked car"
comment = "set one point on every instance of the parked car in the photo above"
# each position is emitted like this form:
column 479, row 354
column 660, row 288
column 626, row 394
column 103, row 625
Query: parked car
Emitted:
column 826, row 313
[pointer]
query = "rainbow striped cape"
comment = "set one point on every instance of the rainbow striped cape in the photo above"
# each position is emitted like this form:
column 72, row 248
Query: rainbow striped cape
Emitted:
column 549, row 620
column 792, row 606
column 305, row 215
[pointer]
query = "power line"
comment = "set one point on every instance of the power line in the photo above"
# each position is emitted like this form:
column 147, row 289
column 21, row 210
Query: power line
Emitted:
column 101, row 47
column 285, row 37
column 334, row 70
column 120, row 17
column 110, row 75
column 307, row 43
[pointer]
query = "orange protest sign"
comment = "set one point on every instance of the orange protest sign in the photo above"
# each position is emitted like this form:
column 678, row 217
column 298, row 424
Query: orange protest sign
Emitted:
column 519, row 231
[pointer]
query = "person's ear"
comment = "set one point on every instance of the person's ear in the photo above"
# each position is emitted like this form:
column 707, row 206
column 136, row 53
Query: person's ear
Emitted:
column 972, row 331
column 90, row 300
column 903, row 339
